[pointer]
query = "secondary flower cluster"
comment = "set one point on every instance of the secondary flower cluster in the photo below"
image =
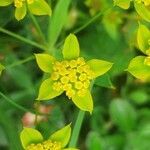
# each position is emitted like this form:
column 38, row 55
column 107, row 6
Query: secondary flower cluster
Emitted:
column 140, row 65
column 32, row 139
column 72, row 76
column 36, row 7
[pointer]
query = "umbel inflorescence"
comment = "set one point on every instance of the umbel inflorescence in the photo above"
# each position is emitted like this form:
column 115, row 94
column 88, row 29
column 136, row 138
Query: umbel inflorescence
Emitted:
column 46, row 145
column 19, row 3
column 72, row 76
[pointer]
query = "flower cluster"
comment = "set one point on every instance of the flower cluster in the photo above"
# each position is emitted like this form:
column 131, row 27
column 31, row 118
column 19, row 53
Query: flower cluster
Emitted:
column 46, row 145
column 32, row 139
column 72, row 75
column 35, row 7
column 140, row 65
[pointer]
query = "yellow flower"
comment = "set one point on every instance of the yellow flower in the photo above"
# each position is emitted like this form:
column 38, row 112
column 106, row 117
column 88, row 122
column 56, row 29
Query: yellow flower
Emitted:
column 32, row 139
column 34, row 6
column 71, row 75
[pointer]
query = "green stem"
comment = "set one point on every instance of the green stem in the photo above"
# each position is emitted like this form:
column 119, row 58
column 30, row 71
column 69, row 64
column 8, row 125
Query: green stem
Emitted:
column 23, row 39
column 92, row 20
column 38, row 29
column 78, row 124
column 77, row 128
column 10, row 101
column 20, row 62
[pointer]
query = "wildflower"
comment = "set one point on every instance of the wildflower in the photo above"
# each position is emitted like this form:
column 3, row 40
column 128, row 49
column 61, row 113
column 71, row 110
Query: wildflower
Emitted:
column 73, row 75
column 141, row 6
column 140, row 65
column 36, row 7
column 32, row 139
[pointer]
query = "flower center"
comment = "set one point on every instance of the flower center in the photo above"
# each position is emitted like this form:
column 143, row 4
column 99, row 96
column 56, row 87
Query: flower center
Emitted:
column 19, row 3
column 145, row 2
column 72, row 76
column 46, row 145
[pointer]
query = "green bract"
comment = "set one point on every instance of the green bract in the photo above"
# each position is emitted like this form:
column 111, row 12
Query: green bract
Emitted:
column 1, row 68
column 72, row 75
column 36, row 7
column 140, row 65
column 142, row 7
column 32, row 139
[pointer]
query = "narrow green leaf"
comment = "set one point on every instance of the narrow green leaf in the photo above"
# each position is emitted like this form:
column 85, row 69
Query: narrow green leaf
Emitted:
column 45, row 62
column 40, row 7
column 125, row 4
column 85, row 103
column 138, row 69
column 57, row 21
column 99, row 67
column 1, row 68
column 123, row 114
column 143, row 36
column 29, row 136
column 5, row 2
column 46, row 91
column 20, row 12
column 142, row 10
column 71, row 48
column 62, row 135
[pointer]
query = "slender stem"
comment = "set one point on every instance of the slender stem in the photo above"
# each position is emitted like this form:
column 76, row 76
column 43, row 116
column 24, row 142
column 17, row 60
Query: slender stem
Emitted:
column 92, row 20
column 20, row 62
column 78, row 124
column 10, row 101
column 77, row 128
column 38, row 28
column 23, row 39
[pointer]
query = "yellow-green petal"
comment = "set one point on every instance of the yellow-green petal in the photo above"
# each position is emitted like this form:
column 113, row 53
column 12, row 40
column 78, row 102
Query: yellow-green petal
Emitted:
column 143, row 36
column 125, row 4
column 29, row 136
column 84, row 103
column 142, row 10
column 5, row 2
column 45, row 62
column 40, row 7
column 20, row 12
column 46, row 91
column 62, row 135
column 1, row 68
column 139, row 69
column 71, row 48
column 99, row 67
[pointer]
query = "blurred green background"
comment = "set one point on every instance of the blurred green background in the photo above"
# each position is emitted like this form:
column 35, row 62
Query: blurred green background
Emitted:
column 121, row 116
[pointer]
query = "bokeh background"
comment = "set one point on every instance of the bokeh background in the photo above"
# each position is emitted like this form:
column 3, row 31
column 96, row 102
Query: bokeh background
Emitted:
column 121, row 116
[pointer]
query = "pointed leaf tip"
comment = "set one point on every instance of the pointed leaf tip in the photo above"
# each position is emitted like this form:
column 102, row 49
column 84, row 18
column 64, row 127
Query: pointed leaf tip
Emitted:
column 29, row 136
column 71, row 48
column 62, row 135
